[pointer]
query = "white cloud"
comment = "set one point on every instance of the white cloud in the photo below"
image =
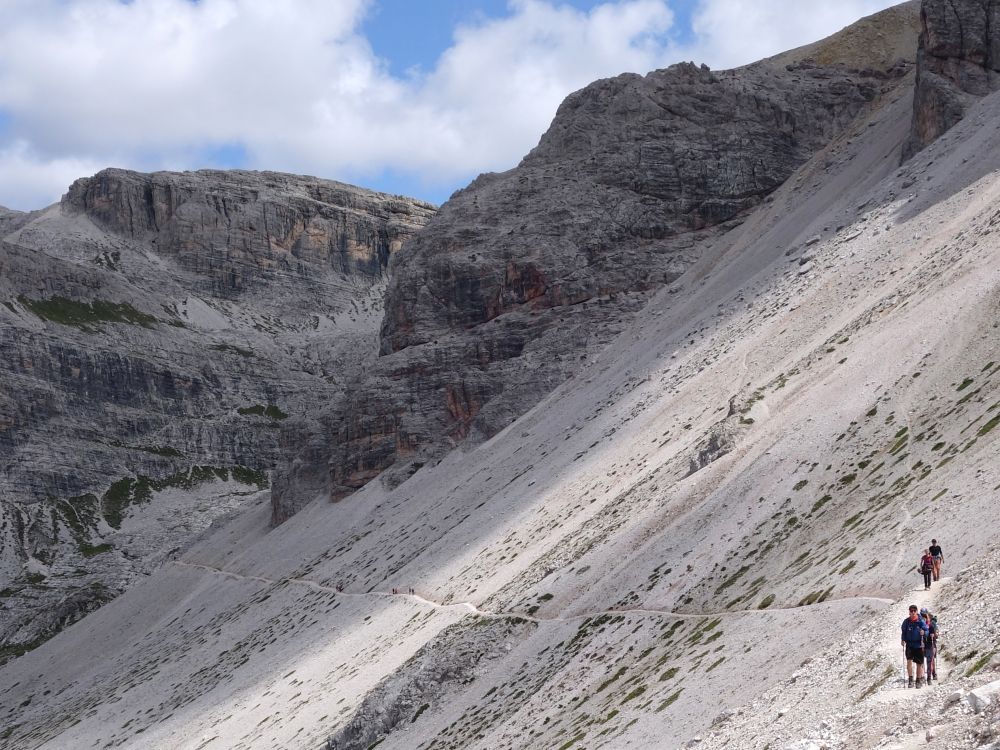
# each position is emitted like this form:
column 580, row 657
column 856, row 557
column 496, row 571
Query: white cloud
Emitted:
column 736, row 32
column 157, row 83
column 28, row 180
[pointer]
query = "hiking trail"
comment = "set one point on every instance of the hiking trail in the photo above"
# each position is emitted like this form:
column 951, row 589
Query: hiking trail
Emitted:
column 473, row 609
column 890, row 648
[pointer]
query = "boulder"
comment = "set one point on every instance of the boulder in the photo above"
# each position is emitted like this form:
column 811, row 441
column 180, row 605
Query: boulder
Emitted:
column 982, row 697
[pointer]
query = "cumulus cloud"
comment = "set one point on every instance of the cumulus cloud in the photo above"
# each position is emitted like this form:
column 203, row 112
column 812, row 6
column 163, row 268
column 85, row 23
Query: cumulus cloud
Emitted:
column 30, row 180
column 736, row 32
column 296, row 86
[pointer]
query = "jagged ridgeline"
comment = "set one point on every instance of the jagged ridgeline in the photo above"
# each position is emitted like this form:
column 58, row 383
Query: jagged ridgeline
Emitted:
column 720, row 356
column 155, row 332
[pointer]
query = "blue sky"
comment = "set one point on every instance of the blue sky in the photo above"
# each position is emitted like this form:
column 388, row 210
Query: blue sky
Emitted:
column 406, row 96
column 390, row 26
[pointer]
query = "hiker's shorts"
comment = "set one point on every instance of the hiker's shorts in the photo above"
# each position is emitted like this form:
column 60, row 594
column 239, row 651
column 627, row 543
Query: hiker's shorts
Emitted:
column 915, row 654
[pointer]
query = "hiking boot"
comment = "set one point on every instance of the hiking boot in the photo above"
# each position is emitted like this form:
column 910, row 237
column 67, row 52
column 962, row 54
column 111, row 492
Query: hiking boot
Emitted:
column 909, row 682
column 920, row 682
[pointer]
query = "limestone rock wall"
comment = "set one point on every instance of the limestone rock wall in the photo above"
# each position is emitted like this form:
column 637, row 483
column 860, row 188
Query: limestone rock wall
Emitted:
column 958, row 63
column 523, row 275
column 156, row 331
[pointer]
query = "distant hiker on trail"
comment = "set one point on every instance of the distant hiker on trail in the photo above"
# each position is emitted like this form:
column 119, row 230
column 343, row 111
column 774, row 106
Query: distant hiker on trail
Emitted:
column 914, row 632
column 930, row 644
column 938, row 557
column 926, row 568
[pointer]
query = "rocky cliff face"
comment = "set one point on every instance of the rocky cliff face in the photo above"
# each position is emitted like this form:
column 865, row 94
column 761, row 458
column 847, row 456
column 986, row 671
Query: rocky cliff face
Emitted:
column 156, row 331
column 523, row 275
column 958, row 63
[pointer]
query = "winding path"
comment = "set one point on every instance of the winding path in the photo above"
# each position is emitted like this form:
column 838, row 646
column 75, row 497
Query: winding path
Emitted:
column 473, row 609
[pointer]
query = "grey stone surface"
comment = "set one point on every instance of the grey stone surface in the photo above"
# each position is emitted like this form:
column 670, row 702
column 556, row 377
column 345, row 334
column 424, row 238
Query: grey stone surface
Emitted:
column 958, row 63
column 522, row 275
column 155, row 331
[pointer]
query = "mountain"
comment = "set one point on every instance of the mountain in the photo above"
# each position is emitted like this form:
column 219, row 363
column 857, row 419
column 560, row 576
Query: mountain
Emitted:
column 523, row 276
column 156, row 330
column 704, row 536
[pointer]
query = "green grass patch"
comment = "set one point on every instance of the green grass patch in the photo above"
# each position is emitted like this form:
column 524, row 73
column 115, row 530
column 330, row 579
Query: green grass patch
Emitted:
column 800, row 484
column 612, row 678
column 988, row 427
column 86, row 316
column 93, row 550
column 820, row 503
column 672, row 698
column 233, row 348
column 979, row 664
column 965, row 384
column 138, row 490
column 259, row 410
column 729, row 581
column 419, row 711
column 634, row 694
column 568, row 744
column 158, row 450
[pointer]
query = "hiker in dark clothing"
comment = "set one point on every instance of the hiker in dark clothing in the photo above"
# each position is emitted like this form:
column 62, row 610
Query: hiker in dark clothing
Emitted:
column 927, row 568
column 930, row 644
column 938, row 557
column 913, row 633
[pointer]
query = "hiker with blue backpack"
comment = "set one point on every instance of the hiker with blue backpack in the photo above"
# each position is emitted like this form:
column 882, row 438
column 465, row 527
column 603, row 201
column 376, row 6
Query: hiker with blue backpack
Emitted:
column 930, row 644
column 913, row 637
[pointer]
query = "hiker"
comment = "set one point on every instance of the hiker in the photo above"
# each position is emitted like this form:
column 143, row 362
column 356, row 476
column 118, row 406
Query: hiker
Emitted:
column 930, row 644
column 926, row 567
column 340, row 588
column 913, row 632
column 938, row 557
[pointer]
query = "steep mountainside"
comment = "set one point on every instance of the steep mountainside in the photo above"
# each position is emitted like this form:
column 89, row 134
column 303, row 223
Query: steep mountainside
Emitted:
column 154, row 332
column 959, row 63
column 524, row 275
column 705, row 537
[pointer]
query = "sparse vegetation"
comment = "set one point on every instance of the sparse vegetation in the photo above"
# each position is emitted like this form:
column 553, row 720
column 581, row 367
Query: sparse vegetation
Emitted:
column 86, row 316
column 979, row 664
column 92, row 550
column 138, row 490
column 670, row 699
column 259, row 410
column 420, row 711
column 234, row 349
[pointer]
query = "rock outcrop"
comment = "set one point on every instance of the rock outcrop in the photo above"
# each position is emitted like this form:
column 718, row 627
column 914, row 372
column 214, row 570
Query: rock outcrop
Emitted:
column 240, row 228
column 958, row 62
column 155, row 332
column 523, row 275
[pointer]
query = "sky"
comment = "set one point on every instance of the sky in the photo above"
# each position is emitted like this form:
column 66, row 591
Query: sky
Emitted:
column 414, row 97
